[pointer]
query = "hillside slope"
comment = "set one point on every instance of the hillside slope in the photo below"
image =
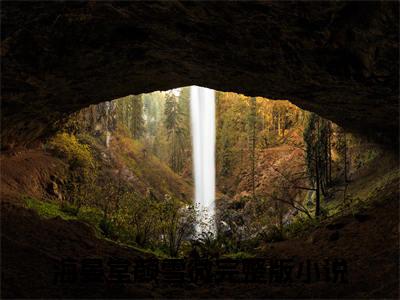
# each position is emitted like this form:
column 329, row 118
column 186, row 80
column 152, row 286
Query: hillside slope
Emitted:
column 40, row 173
column 145, row 171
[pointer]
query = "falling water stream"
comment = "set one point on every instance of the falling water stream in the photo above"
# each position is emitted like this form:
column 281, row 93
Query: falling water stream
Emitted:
column 108, row 133
column 202, row 109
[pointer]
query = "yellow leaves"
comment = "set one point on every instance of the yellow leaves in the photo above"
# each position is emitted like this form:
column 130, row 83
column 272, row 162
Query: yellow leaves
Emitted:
column 67, row 146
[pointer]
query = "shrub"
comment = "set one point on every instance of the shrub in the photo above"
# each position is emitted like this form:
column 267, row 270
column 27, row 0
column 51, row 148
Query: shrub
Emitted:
column 250, row 245
column 210, row 246
column 46, row 209
column 69, row 208
column 82, row 169
column 300, row 225
column 176, row 223
column 67, row 146
column 272, row 234
column 106, row 228
column 239, row 255
column 90, row 214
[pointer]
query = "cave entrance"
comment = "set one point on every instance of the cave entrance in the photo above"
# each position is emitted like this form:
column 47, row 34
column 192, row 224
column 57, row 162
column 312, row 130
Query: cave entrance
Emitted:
column 273, row 164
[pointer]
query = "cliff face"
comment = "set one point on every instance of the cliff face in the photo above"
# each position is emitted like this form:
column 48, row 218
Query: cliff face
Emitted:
column 337, row 59
column 94, row 119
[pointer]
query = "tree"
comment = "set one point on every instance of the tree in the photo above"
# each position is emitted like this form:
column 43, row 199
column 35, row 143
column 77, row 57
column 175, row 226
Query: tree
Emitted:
column 137, row 121
column 317, row 142
column 130, row 114
column 184, row 109
column 177, row 223
column 142, row 213
column 252, row 126
column 344, row 153
column 226, row 161
column 175, row 131
column 156, row 134
column 285, row 184
column 231, row 130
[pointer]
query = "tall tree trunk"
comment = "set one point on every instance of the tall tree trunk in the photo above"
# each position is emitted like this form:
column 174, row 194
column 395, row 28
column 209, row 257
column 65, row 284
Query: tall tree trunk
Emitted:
column 317, row 172
column 345, row 159
column 279, row 123
column 326, row 160
column 253, row 146
column 329, row 155
column 317, row 194
column 322, row 185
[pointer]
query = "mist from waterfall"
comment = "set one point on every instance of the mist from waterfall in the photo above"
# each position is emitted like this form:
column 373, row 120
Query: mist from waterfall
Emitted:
column 202, row 110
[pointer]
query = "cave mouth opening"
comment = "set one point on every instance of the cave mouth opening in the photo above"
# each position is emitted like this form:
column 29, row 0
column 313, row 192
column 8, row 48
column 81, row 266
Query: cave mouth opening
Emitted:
column 271, row 167
column 131, row 172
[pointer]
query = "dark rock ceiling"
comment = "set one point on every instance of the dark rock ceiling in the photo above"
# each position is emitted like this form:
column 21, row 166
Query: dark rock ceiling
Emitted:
column 338, row 59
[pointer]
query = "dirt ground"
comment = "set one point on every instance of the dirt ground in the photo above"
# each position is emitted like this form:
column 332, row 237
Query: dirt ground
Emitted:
column 27, row 173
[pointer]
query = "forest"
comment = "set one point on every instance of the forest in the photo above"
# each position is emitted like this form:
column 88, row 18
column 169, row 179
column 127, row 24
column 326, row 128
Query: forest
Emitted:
column 128, row 172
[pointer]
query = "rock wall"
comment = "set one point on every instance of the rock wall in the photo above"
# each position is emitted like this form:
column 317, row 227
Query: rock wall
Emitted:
column 338, row 59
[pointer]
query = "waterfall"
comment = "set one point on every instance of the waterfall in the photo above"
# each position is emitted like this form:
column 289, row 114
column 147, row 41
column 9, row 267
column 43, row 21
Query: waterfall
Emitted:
column 202, row 111
column 108, row 134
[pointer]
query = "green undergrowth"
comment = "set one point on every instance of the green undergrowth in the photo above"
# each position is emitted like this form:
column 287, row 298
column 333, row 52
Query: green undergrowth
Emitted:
column 65, row 211
column 47, row 209
column 151, row 252
column 239, row 255
column 92, row 216
column 300, row 226
column 104, row 230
